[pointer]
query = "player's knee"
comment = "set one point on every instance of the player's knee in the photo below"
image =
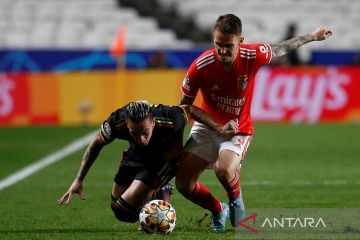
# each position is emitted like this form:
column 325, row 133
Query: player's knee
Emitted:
column 123, row 211
column 222, row 171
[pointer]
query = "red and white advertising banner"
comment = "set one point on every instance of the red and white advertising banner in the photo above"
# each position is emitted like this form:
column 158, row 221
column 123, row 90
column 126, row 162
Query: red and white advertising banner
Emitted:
column 281, row 94
column 14, row 99
column 288, row 94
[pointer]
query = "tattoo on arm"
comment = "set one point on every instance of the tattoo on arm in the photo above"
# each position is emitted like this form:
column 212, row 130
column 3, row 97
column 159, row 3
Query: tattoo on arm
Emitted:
column 280, row 49
column 89, row 157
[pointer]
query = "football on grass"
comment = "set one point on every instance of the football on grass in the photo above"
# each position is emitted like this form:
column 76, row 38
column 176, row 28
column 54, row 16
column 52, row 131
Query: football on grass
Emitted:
column 157, row 216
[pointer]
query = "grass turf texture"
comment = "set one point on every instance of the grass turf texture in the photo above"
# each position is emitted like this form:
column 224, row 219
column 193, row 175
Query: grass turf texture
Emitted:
column 278, row 158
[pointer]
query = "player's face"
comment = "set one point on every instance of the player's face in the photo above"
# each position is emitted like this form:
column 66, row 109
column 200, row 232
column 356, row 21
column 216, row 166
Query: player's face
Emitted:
column 141, row 132
column 226, row 46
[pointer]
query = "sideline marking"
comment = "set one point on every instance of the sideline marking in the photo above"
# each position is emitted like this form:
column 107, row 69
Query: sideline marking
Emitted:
column 47, row 160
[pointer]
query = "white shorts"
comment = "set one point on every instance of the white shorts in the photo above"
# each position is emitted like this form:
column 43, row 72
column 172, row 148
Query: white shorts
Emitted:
column 207, row 144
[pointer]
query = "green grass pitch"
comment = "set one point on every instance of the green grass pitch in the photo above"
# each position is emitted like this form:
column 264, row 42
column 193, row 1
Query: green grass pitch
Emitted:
column 287, row 166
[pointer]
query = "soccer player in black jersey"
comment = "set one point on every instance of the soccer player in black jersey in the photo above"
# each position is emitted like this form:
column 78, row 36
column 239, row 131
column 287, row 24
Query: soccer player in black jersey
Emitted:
column 155, row 136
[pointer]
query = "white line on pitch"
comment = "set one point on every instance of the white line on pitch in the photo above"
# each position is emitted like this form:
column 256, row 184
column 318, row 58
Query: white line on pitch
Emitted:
column 46, row 161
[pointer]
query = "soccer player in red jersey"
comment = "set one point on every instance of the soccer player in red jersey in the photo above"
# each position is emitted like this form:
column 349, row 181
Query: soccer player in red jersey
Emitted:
column 155, row 136
column 225, row 76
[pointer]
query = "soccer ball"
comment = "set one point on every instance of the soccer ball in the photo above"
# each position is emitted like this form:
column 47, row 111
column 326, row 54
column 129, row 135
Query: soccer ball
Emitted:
column 157, row 216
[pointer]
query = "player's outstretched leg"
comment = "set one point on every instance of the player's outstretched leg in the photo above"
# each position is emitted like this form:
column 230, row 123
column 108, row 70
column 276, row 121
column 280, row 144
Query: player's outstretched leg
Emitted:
column 201, row 196
column 227, row 170
column 218, row 220
column 189, row 170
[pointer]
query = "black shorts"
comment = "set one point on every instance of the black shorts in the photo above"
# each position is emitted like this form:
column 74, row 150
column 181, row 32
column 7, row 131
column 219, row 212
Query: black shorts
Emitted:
column 153, row 178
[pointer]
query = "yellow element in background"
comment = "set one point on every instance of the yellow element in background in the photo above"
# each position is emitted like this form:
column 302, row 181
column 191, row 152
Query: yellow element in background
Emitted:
column 89, row 98
column 353, row 116
column 155, row 86
column 78, row 89
column 21, row 120
column 44, row 95
column 111, row 92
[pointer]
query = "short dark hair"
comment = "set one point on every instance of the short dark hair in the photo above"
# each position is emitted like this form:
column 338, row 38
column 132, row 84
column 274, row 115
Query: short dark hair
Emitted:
column 138, row 111
column 229, row 24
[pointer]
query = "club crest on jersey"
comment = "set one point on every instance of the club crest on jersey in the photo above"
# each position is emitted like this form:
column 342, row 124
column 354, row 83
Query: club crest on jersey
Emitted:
column 243, row 81
column 107, row 130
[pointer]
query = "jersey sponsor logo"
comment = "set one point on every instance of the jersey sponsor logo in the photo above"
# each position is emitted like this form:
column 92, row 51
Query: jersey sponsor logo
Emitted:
column 227, row 104
column 106, row 130
column 186, row 82
column 247, row 53
column 205, row 60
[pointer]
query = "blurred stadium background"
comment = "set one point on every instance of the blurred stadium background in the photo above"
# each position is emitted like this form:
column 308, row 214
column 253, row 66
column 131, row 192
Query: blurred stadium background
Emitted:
column 66, row 65
column 51, row 49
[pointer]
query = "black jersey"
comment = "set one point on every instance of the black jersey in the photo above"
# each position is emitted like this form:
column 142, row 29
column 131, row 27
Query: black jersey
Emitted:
column 166, row 141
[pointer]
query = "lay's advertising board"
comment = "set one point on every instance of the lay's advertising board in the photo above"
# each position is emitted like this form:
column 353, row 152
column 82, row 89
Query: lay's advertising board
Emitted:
column 281, row 94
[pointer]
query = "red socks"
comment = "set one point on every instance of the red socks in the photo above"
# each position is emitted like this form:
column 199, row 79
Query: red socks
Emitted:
column 233, row 187
column 202, row 197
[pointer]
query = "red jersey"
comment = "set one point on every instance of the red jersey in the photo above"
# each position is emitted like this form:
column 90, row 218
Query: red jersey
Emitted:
column 227, row 95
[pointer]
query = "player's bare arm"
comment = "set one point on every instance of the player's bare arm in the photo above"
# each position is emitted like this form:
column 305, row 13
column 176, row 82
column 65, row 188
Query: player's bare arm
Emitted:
column 187, row 100
column 227, row 130
column 280, row 49
column 89, row 158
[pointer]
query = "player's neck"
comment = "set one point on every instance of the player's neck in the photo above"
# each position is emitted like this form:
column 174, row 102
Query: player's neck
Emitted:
column 228, row 67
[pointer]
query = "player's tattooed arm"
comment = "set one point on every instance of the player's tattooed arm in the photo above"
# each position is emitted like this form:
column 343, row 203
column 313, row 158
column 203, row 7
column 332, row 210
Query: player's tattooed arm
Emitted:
column 280, row 49
column 90, row 156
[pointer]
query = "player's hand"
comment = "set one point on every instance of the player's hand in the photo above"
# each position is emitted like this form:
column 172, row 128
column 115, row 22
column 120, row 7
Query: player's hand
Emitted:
column 76, row 187
column 230, row 128
column 321, row 33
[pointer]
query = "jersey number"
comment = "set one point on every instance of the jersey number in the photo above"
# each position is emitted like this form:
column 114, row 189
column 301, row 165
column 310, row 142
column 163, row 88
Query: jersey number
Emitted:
column 263, row 49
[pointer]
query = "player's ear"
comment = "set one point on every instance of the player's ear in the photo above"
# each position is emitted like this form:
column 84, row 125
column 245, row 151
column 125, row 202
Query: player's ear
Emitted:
column 153, row 121
column 241, row 39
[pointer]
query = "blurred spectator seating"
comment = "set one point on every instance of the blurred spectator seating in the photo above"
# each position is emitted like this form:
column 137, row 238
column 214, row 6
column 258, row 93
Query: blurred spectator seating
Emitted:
column 267, row 20
column 78, row 24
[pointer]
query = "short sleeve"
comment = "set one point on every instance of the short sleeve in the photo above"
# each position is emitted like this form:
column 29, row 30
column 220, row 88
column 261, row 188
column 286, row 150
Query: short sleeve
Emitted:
column 263, row 53
column 106, row 132
column 190, row 85
column 180, row 117
column 112, row 127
